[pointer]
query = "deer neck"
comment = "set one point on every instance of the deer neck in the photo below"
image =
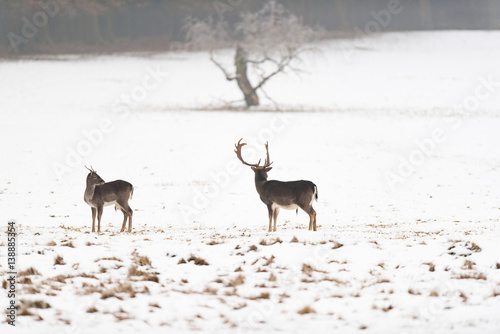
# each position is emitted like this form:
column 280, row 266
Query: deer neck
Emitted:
column 259, row 182
column 89, row 192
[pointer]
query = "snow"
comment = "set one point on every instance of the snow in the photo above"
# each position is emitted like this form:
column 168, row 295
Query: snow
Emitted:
column 400, row 135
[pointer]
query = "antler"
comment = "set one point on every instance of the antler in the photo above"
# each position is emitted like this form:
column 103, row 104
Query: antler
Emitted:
column 91, row 169
column 239, row 146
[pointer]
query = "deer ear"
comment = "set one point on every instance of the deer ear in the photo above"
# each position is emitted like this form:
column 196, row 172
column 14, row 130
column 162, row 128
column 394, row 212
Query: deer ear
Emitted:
column 254, row 169
column 268, row 169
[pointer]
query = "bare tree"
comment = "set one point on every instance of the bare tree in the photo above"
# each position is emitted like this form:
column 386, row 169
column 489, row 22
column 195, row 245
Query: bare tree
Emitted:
column 266, row 43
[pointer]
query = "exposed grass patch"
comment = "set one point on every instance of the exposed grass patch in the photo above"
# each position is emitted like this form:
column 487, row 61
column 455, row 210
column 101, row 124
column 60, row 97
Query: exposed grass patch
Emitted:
column 309, row 269
column 28, row 272
column 265, row 242
column 294, row 240
column 141, row 260
column 336, row 244
column 92, row 309
column 68, row 244
column 114, row 258
column 198, row 260
column 432, row 267
column 238, row 280
column 468, row 264
column 35, row 304
column 306, row 310
column 387, row 308
column 473, row 275
column 24, row 280
column 135, row 271
column 52, row 243
column 59, row 261
column 263, row 295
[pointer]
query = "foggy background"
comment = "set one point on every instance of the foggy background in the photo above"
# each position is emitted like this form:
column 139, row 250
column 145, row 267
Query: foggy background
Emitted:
column 78, row 26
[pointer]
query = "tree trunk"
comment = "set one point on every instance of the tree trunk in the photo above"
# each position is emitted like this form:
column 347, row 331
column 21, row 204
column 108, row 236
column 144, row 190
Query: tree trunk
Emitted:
column 240, row 61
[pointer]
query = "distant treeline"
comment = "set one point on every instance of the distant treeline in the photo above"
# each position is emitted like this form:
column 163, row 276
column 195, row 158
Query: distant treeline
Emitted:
column 56, row 26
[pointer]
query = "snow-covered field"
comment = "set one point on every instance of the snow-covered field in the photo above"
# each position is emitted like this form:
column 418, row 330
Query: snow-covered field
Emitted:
column 400, row 133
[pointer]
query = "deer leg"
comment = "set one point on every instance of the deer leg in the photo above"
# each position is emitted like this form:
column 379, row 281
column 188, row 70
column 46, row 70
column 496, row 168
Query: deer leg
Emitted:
column 99, row 215
column 128, row 212
column 94, row 212
column 130, row 220
column 275, row 216
column 313, row 218
column 125, row 216
column 270, row 210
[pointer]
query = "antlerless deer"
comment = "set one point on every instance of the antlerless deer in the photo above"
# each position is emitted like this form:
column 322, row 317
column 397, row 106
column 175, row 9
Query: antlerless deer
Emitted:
column 277, row 194
column 99, row 194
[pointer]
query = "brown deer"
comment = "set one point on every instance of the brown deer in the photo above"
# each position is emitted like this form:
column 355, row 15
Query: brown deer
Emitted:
column 277, row 194
column 99, row 194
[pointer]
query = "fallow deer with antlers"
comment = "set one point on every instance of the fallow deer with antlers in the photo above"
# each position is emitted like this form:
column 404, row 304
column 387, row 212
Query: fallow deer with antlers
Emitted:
column 277, row 194
column 99, row 194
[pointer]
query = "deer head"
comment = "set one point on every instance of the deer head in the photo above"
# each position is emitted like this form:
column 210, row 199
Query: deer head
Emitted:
column 257, row 168
column 93, row 178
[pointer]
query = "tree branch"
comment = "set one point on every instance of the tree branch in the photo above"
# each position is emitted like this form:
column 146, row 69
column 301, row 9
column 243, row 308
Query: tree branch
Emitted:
column 284, row 62
column 228, row 77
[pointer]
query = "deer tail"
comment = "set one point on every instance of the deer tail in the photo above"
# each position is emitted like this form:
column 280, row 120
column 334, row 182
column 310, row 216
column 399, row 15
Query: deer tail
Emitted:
column 132, row 191
column 315, row 193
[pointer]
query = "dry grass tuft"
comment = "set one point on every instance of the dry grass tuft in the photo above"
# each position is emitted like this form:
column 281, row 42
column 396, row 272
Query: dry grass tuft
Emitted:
column 135, row 271
column 114, row 258
column 121, row 288
column 294, row 240
column 473, row 275
column 197, row 260
column 92, row 309
column 468, row 264
column 68, row 244
column 309, row 269
column 306, row 310
column 252, row 248
column 25, row 280
column 28, row 272
column 387, row 308
column 35, row 304
column 59, row 260
column 475, row 248
column 263, row 295
column 238, row 280
column 141, row 260
column 181, row 261
column 431, row 265
column 265, row 242
column 51, row 243
column 336, row 244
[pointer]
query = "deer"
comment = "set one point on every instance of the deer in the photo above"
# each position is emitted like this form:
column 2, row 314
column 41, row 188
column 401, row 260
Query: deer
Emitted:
column 278, row 195
column 99, row 194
